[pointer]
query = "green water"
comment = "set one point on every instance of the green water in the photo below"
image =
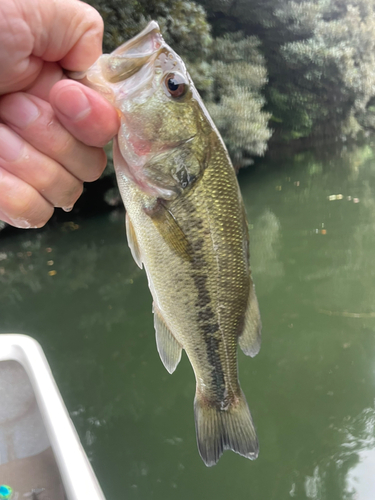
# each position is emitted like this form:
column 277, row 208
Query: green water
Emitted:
column 311, row 389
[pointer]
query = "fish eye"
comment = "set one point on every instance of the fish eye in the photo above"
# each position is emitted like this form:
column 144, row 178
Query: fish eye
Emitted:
column 175, row 84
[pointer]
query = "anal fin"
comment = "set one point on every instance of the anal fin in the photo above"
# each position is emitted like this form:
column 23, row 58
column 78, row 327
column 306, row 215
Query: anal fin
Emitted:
column 250, row 337
column 132, row 241
column 168, row 347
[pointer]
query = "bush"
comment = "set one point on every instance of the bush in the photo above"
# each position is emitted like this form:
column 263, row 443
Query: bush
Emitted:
column 320, row 59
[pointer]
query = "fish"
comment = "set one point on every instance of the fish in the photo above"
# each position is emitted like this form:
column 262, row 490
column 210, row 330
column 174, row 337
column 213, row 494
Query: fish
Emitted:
column 186, row 225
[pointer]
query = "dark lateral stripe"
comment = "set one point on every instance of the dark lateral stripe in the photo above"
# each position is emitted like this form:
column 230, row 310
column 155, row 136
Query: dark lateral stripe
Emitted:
column 208, row 326
column 205, row 315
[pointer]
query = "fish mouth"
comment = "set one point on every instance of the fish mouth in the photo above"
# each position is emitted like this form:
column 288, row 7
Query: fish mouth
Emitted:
column 128, row 59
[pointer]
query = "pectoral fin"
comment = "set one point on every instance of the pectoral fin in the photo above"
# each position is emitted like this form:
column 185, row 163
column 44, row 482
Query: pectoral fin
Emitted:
column 132, row 241
column 171, row 232
column 250, row 338
column 168, row 347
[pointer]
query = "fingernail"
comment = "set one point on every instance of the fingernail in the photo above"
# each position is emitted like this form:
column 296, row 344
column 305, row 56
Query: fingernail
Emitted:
column 10, row 144
column 72, row 103
column 18, row 110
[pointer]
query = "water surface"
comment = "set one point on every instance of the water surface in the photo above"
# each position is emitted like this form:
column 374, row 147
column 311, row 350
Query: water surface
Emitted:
column 311, row 389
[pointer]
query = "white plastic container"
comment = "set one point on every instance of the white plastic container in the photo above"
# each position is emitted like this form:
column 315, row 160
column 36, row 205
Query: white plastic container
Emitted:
column 38, row 442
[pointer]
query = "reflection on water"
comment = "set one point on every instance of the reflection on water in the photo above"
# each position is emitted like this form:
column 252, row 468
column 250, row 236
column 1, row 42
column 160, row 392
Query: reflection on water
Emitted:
column 352, row 463
column 359, row 453
column 265, row 244
column 313, row 485
column 360, row 479
column 312, row 387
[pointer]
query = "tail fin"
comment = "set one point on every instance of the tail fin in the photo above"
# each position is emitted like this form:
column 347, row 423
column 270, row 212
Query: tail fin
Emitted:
column 218, row 430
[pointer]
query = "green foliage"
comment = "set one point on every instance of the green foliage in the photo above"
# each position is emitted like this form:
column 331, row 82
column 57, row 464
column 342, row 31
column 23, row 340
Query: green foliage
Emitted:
column 320, row 59
column 337, row 63
column 236, row 103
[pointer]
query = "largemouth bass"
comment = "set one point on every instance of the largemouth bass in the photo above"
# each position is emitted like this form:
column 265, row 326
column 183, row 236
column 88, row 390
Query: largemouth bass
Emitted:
column 186, row 225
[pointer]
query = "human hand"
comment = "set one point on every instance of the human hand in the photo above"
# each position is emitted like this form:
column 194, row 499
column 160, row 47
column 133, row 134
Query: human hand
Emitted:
column 52, row 130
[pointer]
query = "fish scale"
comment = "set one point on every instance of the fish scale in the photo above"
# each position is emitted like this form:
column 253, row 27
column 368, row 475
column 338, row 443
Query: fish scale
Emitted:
column 186, row 225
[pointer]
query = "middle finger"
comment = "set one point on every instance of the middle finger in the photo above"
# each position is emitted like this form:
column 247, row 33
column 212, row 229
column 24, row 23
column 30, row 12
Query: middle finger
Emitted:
column 34, row 120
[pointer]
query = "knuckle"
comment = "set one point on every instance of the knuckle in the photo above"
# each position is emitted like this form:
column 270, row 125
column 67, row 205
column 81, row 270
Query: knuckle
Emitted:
column 96, row 21
column 77, row 192
column 63, row 147
column 24, row 205
column 96, row 167
column 32, row 212
column 71, row 195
